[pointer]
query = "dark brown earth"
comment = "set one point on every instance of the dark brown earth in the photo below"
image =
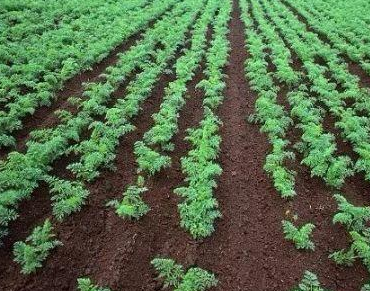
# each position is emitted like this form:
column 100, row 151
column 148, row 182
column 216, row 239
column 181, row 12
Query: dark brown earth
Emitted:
column 247, row 251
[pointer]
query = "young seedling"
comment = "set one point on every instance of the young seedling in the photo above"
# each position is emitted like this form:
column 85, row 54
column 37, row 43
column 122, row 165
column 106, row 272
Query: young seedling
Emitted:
column 173, row 275
column 131, row 205
column 35, row 250
column 309, row 282
column 299, row 236
column 85, row 284
column 353, row 217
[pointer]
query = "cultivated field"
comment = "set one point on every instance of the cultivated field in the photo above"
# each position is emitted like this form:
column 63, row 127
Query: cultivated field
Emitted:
column 185, row 145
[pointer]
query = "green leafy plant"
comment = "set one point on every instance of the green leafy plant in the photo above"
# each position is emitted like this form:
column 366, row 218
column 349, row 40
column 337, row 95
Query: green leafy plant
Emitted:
column 197, row 279
column 360, row 248
column 283, row 178
column 309, row 282
column 299, row 236
column 353, row 217
column 169, row 271
column 35, row 250
column 132, row 205
column 149, row 160
column 85, row 284
column 173, row 275
column 68, row 196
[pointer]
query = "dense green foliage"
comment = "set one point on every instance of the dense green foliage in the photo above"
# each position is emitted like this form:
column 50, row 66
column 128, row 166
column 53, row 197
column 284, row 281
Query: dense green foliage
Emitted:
column 199, row 208
column 306, row 63
column 34, row 68
column 21, row 173
column 150, row 152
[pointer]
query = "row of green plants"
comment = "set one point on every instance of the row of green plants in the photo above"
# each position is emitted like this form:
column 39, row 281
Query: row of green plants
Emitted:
column 279, row 55
column 171, row 274
column 148, row 152
column 354, row 127
column 21, row 173
column 99, row 151
column 47, row 63
column 26, row 21
column 348, row 36
column 347, row 84
column 69, row 196
column 165, row 125
column 317, row 146
column 199, row 208
column 288, row 77
column 272, row 117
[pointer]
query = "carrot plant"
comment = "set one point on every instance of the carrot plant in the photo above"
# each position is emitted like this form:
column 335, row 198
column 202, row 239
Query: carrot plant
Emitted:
column 174, row 275
column 355, row 219
column 85, row 284
column 299, row 236
column 131, row 205
column 68, row 196
column 309, row 282
column 37, row 247
column 351, row 216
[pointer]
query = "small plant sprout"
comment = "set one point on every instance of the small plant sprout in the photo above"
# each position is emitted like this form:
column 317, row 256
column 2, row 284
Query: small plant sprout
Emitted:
column 35, row 250
column 299, row 236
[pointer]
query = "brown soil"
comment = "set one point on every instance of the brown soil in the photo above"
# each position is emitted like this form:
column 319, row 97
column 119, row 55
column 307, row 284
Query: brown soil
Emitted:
column 247, row 251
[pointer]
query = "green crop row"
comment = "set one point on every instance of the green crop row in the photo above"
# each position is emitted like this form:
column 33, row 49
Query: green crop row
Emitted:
column 350, row 37
column 354, row 127
column 199, row 208
column 272, row 116
column 99, row 150
column 150, row 160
